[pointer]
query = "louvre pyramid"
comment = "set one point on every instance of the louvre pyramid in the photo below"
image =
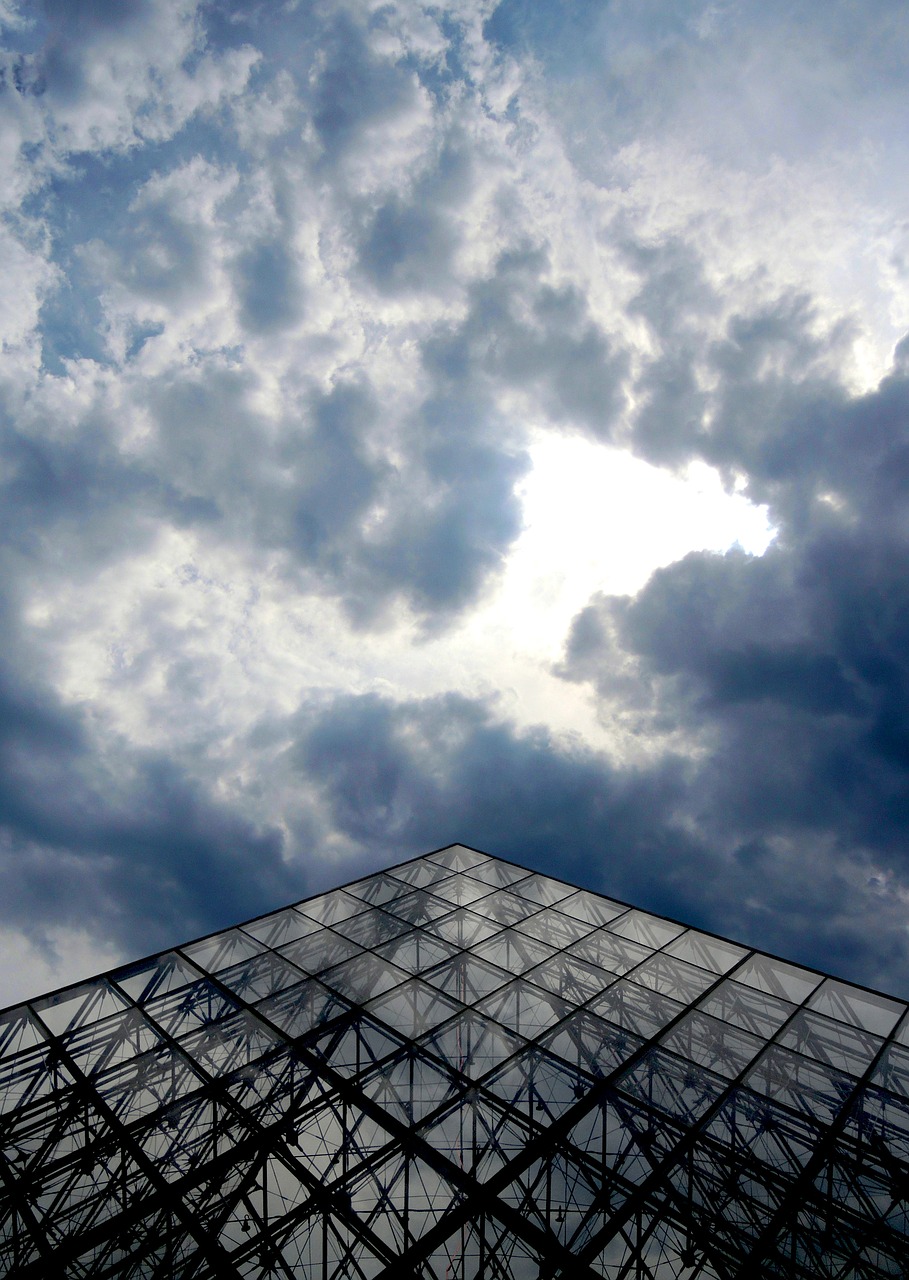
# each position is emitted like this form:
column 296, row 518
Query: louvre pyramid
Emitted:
column 456, row 1069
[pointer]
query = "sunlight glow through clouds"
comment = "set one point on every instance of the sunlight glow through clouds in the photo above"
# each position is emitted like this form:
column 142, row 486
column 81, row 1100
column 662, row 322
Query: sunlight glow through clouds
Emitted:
column 596, row 520
column 599, row 519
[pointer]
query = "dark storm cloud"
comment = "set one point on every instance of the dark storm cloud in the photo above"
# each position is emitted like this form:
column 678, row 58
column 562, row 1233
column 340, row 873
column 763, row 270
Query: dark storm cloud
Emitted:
column 244, row 258
column 393, row 777
column 525, row 333
column 120, row 842
column 79, row 493
column 453, row 511
column 396, row 775
column 750, row 394
column 790, row 672
column 269, row 288
column 409, row 244
column 72, row 26
column 429, row 530
column 676, row 302
column 355, row 89
column 442, row 550
column 763, row 400
column 336, row 482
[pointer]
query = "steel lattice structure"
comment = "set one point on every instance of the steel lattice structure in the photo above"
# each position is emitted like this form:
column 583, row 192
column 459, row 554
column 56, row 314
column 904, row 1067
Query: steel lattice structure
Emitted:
column 456, row 1068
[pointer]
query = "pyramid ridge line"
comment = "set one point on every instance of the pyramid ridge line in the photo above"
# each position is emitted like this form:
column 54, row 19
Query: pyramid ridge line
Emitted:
column 182, row 945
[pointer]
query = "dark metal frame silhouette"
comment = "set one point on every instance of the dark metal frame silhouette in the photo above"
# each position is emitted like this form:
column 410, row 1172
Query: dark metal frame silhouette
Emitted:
column 456, row 1068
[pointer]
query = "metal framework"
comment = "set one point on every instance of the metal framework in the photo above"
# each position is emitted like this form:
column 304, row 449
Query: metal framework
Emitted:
column 456, row 1069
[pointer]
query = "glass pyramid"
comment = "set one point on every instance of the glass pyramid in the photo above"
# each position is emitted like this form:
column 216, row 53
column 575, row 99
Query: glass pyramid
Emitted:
column 456, row 1069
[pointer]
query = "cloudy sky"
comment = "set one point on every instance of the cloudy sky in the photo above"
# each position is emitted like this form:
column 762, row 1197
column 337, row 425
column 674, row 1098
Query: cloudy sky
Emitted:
column 478, row 422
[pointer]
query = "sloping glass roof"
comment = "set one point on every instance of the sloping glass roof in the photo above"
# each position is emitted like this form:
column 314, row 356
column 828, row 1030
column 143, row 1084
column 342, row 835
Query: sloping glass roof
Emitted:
column 456, row 1069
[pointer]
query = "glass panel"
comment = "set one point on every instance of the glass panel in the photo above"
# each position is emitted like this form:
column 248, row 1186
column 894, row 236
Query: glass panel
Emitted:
column 416, row 951
column 420, row 873
column 539, row 1085
column 413, row 1008
column 879, row 1120
column 865, row 1009
column 542, row 890
column 591, row 907
column 319, row 951
column 465, row 1255
column 513, row 951
column 411, row 1087
column 672, row 1086
column 371, row 928
column 777, row 978
column 551, row 926
column 77, row 1006
column 18, row 1031
column 182, row 1011
column 674, row 978
column 331, row 907
column 377, row 889
column 420, row 907
column 571, row 978
column 710, row 953
column 156, row 977
column 467, row 979
column 280, row 927
column 636, row 1008
column 753, row 1131
column 356, row 1044
column 722, row 1048
column 590, row 1044
column 188, row 1133
column 262, row 976
column 461, row 891
column 222, row 951
column 300, row 1009
column 458, row 858
column 148, row 1084
column 363, row 977
column 650, row 931
column 525, row 1008
column 472, row 1044
column 498, row 874
column 614, row 954
column 30, row 1076
column 330, row 1141
column 237, row 1041
column 892, row 1072
column 841, row 1046
column 117, row 1039
column 505, row 907
column 463, row 927
column 753, row 1010
column 481, row 1135
column 798, row 1082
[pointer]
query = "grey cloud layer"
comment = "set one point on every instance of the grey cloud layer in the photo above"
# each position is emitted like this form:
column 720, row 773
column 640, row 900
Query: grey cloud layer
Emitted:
column 393, row 776
column 120, row 841
column 791, row 671
column 297, row 292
